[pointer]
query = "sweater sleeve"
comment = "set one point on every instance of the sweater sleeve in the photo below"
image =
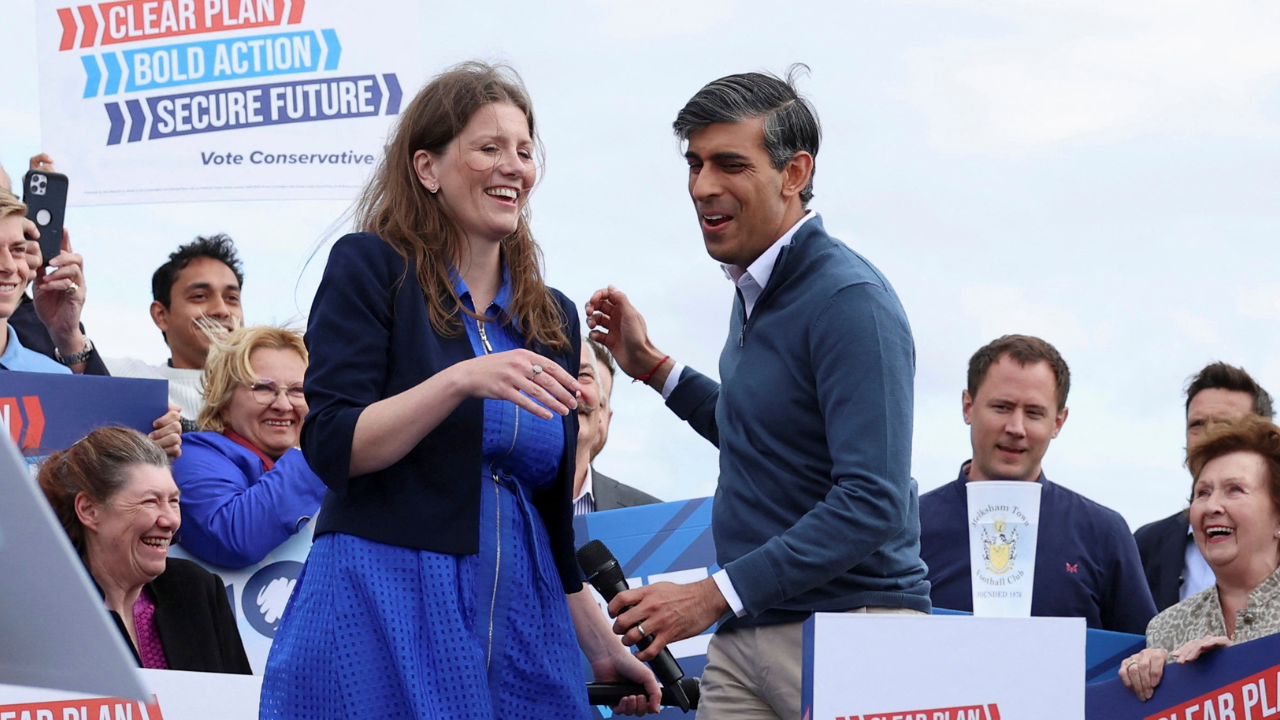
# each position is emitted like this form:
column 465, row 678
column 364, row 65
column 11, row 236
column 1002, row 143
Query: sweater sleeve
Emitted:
column 348, row 335
column 694, row 401
column 232, row 520
column 1127, row 606
column 863, row 362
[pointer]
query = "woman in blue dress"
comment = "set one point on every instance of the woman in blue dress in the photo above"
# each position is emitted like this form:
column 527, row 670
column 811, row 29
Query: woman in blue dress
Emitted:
column 442, row 581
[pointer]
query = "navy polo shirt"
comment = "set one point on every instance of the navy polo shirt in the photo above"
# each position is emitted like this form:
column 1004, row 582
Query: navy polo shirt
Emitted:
column 1087, row 563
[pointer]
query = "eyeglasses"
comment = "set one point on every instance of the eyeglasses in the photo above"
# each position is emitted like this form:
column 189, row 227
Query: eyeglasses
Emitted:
column 266, row 392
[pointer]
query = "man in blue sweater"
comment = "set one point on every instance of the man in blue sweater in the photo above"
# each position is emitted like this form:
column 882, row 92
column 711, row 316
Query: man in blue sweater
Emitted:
column 815, row 509
column 1087, row 563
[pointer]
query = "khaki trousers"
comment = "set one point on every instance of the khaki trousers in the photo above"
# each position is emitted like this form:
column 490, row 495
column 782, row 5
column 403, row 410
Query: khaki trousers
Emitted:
column 753, row 673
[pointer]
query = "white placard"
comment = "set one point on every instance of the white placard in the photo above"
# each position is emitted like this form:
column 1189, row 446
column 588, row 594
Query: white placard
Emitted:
column 905, row 667
column 178, row 696
column 186, row 100
column 1004, row 525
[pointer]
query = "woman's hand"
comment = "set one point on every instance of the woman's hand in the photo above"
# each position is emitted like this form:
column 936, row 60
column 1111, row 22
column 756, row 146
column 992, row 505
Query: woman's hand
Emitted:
column 1141, row 673
column 521, row 377
column 621, row 667
column 1195, row 648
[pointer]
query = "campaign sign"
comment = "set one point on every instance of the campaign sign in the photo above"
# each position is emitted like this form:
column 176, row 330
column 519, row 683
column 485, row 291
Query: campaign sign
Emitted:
column 914, row 667
column 1004, row 524
column 258, row 594
column 179, row 695
column 44, row 412
column 188, row 100
column 1235, row 683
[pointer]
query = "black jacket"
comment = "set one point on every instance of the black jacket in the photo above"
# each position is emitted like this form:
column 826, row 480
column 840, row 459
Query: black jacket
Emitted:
column 611, row 494
column 194, row 619
column 370, row 337
column 34, row 336
column 1163, row 545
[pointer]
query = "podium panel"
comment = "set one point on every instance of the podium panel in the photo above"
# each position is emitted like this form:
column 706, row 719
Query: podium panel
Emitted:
column 928, row 667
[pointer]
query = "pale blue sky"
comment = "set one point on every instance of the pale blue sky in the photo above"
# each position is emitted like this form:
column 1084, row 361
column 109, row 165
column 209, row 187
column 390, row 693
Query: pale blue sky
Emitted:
column 1102, row 174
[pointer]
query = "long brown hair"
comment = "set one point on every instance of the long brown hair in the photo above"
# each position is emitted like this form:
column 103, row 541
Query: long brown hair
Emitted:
column 396, row 207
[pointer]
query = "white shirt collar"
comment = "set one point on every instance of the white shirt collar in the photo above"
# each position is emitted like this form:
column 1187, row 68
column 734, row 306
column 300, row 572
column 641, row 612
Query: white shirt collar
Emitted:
column 753, row 280
column 762, row 268
column 586, row 486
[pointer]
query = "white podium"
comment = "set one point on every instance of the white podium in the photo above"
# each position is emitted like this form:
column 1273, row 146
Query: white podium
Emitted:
column 931, row 667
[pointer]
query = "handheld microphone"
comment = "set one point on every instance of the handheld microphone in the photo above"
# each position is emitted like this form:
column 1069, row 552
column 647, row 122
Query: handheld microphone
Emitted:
column 605, row 575
column 610, row 694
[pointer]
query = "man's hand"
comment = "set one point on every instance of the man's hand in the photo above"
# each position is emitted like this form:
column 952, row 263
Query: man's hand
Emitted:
column 668, row 612
column 616, row 324
column 168, row 432
column 59, row 298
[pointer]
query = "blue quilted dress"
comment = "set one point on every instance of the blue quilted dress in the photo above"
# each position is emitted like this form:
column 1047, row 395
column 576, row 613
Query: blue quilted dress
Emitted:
column 379, row 631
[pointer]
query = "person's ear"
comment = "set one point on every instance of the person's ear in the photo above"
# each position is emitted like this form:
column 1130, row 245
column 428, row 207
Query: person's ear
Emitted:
column 426, row 166
column 1058, row 421
column 87, row 511
column 796, row 174
column 160, row 316
column 966, row 406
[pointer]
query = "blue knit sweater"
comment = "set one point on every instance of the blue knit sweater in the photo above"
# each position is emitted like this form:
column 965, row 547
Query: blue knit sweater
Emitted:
column 816, row 509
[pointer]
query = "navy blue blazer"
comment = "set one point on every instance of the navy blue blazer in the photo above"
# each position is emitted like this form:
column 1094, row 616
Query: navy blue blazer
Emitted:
column 370, row 337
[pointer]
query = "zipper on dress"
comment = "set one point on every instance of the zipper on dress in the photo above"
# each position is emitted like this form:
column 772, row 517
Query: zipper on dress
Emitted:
column 497, row 504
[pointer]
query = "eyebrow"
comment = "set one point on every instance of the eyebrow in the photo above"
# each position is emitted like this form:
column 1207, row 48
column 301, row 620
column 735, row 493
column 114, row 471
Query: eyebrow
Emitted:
column 209, row 286
column 718, row 157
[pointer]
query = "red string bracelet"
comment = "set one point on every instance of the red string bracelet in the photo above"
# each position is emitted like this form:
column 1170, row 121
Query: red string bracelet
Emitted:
column 645, row 377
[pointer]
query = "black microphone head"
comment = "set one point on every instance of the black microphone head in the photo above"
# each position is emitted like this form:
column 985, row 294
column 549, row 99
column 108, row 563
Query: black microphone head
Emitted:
column 593, row 556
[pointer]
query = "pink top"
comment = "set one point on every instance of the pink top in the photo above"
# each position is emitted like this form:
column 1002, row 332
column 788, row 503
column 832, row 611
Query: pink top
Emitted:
column 144, row 623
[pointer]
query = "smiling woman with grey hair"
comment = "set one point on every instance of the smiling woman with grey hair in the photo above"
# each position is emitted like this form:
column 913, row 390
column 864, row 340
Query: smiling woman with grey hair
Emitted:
column 116, row 499
column 1235, row 518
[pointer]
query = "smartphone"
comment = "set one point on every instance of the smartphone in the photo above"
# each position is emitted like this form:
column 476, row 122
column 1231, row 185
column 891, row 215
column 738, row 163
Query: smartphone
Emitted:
column 45, row 194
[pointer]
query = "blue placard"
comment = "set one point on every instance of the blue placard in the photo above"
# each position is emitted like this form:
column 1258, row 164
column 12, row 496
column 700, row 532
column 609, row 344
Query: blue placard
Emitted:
column 1240, row 683
column 45, row 412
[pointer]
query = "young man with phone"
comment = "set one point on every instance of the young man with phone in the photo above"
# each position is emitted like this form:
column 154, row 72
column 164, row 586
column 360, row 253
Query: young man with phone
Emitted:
column 60, row 312
column 47, row 323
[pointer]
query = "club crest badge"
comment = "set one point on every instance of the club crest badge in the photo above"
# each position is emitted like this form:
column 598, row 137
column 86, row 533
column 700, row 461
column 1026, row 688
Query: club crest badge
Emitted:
column 999, row 547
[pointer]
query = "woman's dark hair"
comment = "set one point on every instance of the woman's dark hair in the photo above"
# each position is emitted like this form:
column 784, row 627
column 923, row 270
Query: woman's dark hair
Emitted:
column 98, row 466
column 790, row 120
column 396, row 207
column 219, row 247
column 1250, row 433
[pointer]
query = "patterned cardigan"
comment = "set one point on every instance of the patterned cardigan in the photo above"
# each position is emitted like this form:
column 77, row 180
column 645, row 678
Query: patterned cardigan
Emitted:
column 1201, row 616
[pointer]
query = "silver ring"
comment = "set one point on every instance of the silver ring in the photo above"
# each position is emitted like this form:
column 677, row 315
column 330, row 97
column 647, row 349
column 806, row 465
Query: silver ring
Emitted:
column 1130, row 663
column 537, row 369
column 72, row 289
column 640, row 627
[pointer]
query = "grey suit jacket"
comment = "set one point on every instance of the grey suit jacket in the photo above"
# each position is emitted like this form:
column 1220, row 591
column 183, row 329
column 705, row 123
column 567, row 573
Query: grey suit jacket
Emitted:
column 611, row 494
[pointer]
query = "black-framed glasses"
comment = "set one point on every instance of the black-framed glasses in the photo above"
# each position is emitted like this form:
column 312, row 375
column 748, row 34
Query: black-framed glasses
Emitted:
column 266, row 392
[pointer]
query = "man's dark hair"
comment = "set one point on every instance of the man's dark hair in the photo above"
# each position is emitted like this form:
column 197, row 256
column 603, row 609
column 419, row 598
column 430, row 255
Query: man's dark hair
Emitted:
column 603, row 357
column 1024, row 350
column 1221, row 376
column 219, row 247
column 790, row 121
